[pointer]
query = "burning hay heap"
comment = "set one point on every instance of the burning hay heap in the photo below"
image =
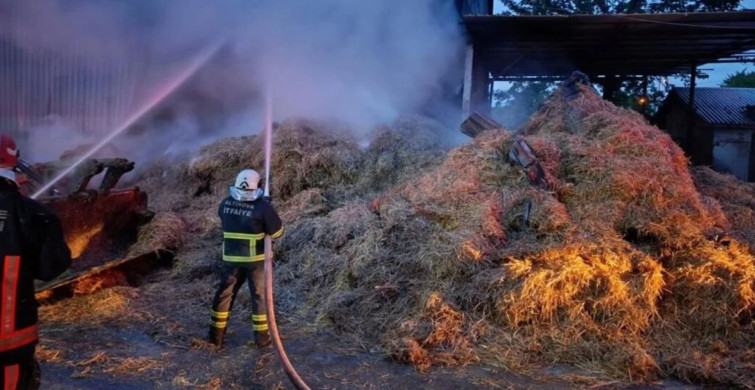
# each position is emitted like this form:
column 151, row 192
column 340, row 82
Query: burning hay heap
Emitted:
column 316, row 168
column 619, row 267
column 735, row 197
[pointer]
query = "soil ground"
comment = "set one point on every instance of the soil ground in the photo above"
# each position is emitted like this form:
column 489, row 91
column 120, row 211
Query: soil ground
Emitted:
column 137, row 347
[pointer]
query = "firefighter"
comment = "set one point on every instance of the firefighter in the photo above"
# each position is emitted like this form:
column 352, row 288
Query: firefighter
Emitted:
column 246, row 218
column 31, row 247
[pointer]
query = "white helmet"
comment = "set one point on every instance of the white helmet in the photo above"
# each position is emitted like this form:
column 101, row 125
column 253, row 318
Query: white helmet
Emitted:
column 246, row 188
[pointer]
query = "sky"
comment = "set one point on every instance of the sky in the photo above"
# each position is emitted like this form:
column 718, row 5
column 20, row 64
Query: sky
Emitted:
column 716, row 72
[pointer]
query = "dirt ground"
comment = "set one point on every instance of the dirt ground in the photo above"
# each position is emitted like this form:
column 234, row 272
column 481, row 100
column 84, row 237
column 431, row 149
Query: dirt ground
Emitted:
column 120, row 338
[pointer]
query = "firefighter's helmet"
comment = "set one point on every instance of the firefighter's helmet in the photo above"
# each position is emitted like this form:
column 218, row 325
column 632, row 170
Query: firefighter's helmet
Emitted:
column 8, row 157
column 8, row 152
column 246, row 188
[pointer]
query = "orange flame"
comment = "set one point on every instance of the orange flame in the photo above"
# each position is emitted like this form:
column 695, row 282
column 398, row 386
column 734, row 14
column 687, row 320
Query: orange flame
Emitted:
column 79, row 243
column 469, row 250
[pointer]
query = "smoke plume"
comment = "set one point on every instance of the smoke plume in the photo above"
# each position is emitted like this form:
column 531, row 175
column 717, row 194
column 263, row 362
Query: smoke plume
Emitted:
column 363, row 62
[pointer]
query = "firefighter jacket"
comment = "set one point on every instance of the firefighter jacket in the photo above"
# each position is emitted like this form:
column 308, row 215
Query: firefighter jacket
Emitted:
column 244, row 227
column 32, row 247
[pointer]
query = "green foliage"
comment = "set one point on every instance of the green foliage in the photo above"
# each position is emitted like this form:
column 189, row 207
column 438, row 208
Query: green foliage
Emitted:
column 666, row 6
column 630, row 92
column 571, row 7
column 741, row 79
column 514, row 105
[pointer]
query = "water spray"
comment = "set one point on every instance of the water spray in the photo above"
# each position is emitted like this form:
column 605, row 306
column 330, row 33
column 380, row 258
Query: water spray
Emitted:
column 181, row 78
column 269, row 305
column 268, row 140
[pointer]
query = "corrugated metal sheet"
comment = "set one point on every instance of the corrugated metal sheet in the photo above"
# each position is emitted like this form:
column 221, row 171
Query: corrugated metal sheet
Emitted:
column 89, row 94
column 519, row 47
column 721, row 106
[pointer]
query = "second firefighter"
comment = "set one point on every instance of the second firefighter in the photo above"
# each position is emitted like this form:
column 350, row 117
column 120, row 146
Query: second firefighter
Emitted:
column 246, row 218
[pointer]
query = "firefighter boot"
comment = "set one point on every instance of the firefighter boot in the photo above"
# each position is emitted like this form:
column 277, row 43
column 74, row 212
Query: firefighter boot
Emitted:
column 216, row 335
column 262, row 339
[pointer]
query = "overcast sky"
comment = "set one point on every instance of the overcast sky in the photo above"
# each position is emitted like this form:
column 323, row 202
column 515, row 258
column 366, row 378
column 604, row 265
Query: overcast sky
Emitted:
column 719, row 72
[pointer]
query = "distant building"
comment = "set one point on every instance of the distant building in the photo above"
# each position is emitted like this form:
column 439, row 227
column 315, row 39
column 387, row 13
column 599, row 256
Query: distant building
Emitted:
column 718, row 132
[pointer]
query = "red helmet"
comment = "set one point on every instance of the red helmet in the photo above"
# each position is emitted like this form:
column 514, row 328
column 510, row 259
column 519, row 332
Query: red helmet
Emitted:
column 8, row 151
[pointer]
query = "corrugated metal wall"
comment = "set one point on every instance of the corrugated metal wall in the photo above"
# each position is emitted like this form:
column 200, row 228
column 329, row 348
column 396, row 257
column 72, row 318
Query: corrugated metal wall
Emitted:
column 88, row 94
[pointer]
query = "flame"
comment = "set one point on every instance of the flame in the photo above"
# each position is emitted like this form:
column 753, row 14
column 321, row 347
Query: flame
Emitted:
column 469, row 250
column 79, row 243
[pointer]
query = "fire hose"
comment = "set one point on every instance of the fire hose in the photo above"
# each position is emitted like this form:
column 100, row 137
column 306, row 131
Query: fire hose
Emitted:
column 269, row 304
column 287, row 366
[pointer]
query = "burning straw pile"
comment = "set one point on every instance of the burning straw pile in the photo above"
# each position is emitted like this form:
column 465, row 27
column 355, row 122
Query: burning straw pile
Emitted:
column 736, row 199
column 619, row 268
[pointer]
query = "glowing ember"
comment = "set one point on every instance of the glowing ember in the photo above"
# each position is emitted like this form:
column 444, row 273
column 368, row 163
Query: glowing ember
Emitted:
column 79, row 243
column 469, row 250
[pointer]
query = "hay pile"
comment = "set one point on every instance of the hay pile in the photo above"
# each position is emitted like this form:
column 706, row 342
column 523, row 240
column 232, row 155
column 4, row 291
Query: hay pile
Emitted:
column 735, row 198
column 317, row 167
column 618, row 269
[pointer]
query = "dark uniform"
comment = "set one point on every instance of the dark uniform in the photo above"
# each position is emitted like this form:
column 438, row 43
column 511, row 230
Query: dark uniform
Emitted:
column 245, row 225
column 32, row 247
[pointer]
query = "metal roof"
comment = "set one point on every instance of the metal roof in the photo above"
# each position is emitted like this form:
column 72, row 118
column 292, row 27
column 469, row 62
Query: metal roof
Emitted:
column 622, row 45
column 721, row 106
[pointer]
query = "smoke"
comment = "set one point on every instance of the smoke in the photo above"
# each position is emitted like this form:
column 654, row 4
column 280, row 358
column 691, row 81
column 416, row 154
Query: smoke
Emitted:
column 363, row 62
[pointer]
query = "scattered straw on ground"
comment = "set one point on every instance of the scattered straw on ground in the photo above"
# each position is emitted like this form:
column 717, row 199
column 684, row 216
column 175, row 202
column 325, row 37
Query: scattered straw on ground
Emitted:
column 90, row 309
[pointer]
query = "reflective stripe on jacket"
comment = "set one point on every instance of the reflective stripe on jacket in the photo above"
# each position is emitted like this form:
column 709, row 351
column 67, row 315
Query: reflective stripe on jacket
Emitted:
column 245, row 225
column 31, row 247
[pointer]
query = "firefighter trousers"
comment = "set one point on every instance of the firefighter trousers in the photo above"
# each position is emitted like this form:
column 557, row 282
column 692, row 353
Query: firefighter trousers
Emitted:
column 232, row 278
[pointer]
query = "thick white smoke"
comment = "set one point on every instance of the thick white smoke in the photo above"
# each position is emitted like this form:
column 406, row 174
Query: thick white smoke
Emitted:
column 363, row 62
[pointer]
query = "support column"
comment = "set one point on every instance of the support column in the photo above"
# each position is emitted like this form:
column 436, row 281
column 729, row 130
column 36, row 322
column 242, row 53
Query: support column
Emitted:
column 644, row 107
column 476, row 86
column 688, row 139
column 490, row 92
column 466, row 95
column 610, row 86
column 480, row 88
column 751, row 171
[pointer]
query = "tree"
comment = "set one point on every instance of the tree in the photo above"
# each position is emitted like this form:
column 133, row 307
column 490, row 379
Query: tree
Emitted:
column 665, row 6
column 741, row 79
column 631, row 92
column 571, row 7
column 514, row 105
